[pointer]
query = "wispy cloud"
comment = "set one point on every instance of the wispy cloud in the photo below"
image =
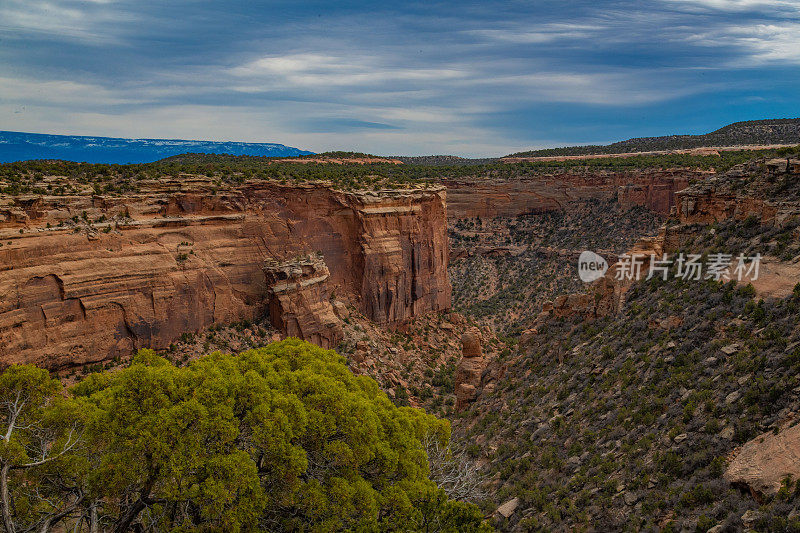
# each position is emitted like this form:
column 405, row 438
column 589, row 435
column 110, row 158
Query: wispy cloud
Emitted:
column 91, row 21
column 315, row 70
column 757, row 44
column 545, row 33
column 468, row 78
column 740, row 5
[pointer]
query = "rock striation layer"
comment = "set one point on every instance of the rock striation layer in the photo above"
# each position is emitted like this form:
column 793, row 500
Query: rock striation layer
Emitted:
column 90, row 278
column 536, row 193
column 299, row 300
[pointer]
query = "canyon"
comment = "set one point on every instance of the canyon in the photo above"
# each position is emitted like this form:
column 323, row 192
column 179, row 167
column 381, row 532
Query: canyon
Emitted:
column 92, row 278
column 537, row 374
column 668, row 404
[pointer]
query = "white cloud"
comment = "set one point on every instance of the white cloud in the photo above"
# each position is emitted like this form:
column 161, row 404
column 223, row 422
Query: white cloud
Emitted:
column 317, row 70
column 539, row 33
column 759, row 43
column 739, row 5
column 599, row 88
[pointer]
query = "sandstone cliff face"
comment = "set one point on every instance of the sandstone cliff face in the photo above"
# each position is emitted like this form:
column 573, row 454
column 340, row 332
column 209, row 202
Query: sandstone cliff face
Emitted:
column 756, row 189
column 136, row 271
column 654, row 189
column 708, row 203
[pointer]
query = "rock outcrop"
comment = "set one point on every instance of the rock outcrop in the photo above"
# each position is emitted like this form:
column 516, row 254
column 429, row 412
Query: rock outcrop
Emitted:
column 761, row 190
column 606, row 295
column 536, row 193
column 764, row 462
column 90, row 278
column 708, row 203
column 299, row 300
column 469, row 370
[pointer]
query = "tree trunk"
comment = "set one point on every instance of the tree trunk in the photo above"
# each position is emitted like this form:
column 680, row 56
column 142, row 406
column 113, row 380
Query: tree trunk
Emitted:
column 45, row 526
column 127, row 519
column 5, row 498
column 93, row 528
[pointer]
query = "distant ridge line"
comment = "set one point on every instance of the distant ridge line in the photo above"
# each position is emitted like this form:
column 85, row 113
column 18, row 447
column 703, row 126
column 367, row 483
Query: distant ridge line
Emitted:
column 735, row 136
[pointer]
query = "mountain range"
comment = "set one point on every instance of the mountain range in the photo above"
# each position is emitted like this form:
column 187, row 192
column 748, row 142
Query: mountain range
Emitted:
column 18, row 146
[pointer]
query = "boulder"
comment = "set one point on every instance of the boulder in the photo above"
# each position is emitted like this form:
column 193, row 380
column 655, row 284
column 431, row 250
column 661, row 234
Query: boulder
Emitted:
column 763, row 463
column 508, row 508
column 341, row 310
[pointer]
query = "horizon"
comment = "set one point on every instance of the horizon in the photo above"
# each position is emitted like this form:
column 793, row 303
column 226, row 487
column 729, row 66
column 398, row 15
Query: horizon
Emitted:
column 300, row 148
column 472, row 80
column 233, row 141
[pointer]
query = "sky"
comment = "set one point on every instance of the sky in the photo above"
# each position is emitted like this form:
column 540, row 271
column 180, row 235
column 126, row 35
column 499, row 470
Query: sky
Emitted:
column 464, row 78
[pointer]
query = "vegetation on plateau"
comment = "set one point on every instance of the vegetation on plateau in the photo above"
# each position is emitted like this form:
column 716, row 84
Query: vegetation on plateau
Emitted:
column 49, row 177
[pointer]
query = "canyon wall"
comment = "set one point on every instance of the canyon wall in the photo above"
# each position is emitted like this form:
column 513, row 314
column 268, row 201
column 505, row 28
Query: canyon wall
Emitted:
column 762, row 190
column 511, row 197
column 90, row 278
column 708, row 203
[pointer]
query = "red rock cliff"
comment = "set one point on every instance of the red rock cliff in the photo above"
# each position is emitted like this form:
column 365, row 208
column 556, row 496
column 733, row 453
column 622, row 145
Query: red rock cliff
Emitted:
column 654, row 189
column 121, row 273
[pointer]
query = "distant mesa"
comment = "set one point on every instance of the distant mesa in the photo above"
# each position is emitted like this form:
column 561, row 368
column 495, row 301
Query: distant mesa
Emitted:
column 754, row 133
column 17, row 146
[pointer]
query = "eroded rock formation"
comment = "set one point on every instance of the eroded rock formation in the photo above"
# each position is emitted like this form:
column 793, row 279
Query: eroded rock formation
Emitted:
column 710, row 203
column 299, row 300
column 766, row 191
column 606, row 295
column 88, row 278
column 469, row 370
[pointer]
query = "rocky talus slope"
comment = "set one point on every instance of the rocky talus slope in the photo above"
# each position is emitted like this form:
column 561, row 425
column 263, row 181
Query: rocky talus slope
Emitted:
column 675, row 409
column 630, row 420
column 89, row 277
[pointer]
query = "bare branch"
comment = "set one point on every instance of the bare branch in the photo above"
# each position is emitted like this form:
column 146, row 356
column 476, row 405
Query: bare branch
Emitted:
column 453, row 471
column 14, row 409
column 69, row 445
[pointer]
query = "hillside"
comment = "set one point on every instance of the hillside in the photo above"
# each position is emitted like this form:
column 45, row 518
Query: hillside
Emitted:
column 18, row 146
column 658, row 413
column 749, row 133
column 351, row 171
column 633, row 428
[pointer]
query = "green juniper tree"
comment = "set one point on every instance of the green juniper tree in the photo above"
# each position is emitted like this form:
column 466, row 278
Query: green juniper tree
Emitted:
column 280, row 438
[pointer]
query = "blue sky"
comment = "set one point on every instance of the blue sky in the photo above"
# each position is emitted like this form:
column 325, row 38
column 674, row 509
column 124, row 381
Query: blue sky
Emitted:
column 465, row 78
